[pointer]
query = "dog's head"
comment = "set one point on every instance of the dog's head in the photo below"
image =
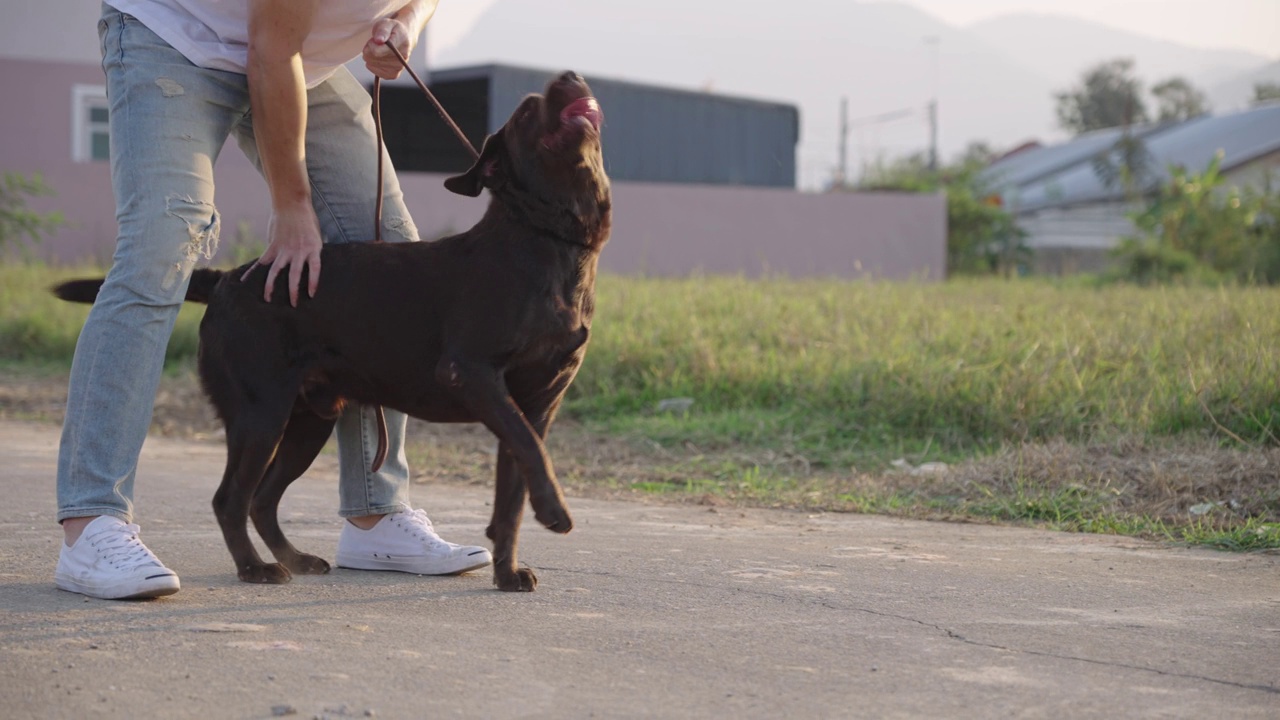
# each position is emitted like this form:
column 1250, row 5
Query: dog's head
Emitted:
column 550, row 146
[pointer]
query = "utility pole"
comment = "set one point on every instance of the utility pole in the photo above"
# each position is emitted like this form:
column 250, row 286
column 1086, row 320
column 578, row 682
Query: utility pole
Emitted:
column 842, row 178
column 934, row 42
column 933, row 135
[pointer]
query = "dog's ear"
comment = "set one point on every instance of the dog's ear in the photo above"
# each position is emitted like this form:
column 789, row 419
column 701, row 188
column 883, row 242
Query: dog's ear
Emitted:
column 471, row 182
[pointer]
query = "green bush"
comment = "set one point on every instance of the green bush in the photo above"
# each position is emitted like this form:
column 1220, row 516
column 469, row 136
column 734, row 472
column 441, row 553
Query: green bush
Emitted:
column 1197, row 228
column 20, row 225
column 982, row 237
column 1146, row 261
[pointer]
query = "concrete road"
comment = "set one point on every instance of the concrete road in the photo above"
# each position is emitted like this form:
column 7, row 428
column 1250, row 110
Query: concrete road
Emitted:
column 643, row 611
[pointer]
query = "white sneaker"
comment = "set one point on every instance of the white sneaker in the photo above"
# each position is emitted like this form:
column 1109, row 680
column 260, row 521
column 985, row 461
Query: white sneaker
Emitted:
column 405, row 542
column 111, row 563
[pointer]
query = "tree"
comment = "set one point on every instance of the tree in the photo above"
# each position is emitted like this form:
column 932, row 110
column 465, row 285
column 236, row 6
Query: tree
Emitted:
column 1109, row 96
column 1127, row 165
column 982, row 236
column 18, row 223
column 1179, row 100
column 1264, row 92
column 977, row 153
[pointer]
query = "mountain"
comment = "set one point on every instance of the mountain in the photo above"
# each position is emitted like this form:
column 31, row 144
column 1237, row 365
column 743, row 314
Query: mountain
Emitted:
column 813, row 54
column 996, row 81
column 1062, row 48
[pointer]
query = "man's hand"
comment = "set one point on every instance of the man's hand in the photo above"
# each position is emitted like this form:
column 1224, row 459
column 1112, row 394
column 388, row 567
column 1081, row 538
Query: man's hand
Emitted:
column 378, row 57
column 293, row 242
column 401, row 31
column 278, row 101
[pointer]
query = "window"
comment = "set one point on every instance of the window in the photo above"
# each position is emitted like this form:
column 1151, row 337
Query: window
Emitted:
column 90, row 126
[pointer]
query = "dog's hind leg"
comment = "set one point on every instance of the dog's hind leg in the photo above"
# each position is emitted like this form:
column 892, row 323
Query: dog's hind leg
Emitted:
column 304, row 437
column 508, row 506
column 251, row 443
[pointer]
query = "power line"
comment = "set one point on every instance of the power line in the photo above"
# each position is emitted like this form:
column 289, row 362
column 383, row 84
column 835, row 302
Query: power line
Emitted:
column 847, row 124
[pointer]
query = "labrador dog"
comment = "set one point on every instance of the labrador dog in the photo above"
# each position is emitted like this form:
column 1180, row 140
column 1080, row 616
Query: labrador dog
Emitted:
column 487, row 326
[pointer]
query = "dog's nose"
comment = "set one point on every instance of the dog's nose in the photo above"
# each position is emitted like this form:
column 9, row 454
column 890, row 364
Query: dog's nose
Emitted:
column 571, row 77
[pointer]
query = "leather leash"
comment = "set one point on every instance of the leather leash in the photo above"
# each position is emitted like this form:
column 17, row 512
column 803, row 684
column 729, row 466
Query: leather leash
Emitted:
column 383, row 441
column 377, row 123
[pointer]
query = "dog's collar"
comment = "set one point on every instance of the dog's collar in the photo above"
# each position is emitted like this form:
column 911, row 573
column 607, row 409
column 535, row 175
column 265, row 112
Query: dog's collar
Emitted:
column 534, row 212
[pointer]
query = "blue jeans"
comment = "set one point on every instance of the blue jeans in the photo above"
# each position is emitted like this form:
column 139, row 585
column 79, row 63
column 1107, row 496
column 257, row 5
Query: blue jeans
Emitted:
column 169, row 120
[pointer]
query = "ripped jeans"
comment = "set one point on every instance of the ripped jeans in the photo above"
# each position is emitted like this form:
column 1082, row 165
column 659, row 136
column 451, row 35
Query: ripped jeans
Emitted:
column 169, row 121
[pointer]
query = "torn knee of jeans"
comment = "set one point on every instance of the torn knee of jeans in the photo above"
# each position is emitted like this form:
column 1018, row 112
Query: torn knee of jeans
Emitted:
column 170, row 87
column 203, row 226
column 403, row 228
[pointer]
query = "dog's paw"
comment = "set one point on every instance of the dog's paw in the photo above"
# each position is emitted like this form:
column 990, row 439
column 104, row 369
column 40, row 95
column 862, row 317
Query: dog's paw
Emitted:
column 522, row 580
column 305, row 564
column 274, row 574
column 554, row 516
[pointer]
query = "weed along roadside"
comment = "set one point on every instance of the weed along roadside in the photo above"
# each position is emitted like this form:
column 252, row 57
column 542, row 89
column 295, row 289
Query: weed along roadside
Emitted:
column 1151, row 412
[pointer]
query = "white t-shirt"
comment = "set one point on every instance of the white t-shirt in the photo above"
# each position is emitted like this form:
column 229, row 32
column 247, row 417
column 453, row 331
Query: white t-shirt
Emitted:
column 214, row 34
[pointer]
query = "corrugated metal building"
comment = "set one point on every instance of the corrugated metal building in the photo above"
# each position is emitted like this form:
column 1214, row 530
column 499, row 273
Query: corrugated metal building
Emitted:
column 1073, row 216
column 653, row 134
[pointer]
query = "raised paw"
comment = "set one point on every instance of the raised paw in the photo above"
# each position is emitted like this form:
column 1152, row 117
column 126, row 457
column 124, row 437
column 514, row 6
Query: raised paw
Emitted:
column 304, row 564
column 522, row 580
column 554, row 516
column 273, row 574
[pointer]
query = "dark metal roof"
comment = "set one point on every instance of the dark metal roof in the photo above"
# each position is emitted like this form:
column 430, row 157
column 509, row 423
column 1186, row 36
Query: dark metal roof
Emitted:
column 654, row 134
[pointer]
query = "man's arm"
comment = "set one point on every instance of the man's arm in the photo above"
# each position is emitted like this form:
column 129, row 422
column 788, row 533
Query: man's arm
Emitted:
column 278, row 98
column 401, row 30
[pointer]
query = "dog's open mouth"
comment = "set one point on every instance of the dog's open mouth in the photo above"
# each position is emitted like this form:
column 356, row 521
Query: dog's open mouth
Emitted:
column 579, row 120
column 583, row 110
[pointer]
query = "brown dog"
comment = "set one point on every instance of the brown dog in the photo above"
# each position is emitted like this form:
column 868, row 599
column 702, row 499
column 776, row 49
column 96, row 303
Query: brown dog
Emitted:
column 488, row 326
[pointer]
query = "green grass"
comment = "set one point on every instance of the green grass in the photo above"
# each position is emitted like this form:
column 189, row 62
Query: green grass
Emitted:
column 857, row 373
column 800, row 385
column 1066, row 509
column 1252, row 534
column 37, row 329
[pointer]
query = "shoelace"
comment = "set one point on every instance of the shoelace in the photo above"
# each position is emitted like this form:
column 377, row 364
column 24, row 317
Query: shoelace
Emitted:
column 417, row 522
column 120, row 546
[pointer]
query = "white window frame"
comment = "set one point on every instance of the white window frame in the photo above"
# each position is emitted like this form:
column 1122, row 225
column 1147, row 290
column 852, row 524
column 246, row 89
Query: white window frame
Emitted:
column 83, row 99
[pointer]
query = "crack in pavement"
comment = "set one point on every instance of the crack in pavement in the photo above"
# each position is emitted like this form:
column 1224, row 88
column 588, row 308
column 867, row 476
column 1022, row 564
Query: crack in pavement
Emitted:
column 952, row 634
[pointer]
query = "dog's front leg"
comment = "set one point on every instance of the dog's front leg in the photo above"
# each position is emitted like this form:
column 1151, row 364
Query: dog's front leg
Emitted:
column 485, row 394
column 508, row 507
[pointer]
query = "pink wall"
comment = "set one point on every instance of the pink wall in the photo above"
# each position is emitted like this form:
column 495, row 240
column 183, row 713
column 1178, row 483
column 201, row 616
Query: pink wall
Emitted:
column 677, row 229
column 659, row 229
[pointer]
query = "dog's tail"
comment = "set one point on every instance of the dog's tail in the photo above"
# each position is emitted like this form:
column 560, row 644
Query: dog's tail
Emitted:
column 203, row 281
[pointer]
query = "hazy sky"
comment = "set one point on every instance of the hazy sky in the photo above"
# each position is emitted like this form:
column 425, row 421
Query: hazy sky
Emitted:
column 1243, row 24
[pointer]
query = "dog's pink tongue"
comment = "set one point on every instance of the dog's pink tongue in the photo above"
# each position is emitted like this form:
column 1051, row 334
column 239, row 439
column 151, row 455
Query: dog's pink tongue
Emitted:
column 586, row 108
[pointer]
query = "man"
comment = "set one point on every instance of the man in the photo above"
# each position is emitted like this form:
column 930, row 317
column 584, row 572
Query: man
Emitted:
column 183, row 76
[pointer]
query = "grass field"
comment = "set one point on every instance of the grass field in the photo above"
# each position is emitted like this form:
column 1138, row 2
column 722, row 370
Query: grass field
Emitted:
column 804, row 393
